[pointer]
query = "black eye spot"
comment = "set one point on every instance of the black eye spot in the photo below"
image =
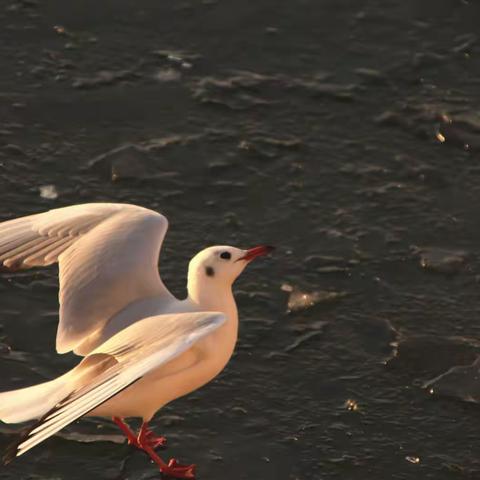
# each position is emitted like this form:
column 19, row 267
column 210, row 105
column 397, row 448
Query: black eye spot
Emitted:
column 209, row 271
column 226, row 255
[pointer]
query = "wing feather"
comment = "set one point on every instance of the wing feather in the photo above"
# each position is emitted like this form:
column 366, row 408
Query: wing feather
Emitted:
column 107, row 254
column 48, row 254
column 140, row 348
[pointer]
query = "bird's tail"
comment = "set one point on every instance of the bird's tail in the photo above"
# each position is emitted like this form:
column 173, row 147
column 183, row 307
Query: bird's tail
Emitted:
column 32, row 402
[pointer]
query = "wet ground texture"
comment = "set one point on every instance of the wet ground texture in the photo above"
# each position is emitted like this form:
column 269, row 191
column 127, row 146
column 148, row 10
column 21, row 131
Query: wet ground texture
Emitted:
column 347, row 133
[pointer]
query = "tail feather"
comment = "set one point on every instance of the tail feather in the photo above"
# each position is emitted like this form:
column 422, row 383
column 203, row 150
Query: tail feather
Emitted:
column 12, row 450
column 41, row 402
column 30, row 403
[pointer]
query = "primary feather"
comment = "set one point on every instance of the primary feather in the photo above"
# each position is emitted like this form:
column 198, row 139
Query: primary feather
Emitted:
column 109, row 369
column 107, row 254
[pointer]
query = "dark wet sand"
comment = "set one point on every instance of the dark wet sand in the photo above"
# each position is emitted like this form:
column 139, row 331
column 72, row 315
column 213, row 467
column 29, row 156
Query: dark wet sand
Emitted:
column 347, row 134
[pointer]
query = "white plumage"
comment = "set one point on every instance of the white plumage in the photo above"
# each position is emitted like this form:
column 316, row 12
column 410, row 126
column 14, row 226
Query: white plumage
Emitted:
column 142, row 346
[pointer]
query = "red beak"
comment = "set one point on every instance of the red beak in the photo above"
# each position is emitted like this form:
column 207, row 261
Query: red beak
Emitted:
column 257, row 252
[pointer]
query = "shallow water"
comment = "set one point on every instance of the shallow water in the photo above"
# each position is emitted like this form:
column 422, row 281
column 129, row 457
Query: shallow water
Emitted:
column 347, row 134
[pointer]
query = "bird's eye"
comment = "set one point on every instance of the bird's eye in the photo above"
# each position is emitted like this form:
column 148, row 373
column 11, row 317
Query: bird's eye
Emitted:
column 226, row 255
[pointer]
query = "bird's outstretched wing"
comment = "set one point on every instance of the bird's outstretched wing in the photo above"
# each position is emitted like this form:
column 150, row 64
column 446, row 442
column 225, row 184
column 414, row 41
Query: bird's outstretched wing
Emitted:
column 135, row 351
column 107, row 255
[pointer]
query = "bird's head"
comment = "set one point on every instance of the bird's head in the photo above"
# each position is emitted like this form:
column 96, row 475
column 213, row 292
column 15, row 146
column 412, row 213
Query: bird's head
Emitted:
column 222, row 264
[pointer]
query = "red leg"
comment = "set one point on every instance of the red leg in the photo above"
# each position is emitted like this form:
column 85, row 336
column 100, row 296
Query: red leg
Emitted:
column 132, row 439
column 148, row 441
column 147, row 437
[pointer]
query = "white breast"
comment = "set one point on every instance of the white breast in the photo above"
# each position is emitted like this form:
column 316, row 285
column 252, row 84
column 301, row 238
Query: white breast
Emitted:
column 186, row 373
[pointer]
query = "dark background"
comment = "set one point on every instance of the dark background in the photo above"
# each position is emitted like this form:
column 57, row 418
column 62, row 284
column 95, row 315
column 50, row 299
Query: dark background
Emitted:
column 347, row 133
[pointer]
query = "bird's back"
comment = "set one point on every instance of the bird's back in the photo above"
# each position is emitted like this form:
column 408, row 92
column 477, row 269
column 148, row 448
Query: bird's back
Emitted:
column 133, row 312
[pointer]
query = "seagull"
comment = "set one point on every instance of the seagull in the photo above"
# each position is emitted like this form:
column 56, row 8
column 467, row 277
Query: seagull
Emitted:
column 141, row 346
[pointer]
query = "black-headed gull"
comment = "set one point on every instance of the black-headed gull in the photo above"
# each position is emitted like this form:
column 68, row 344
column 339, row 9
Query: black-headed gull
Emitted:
column 142, row 347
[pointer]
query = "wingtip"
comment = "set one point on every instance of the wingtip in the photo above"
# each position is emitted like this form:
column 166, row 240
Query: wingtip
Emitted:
column 8, row 269
column 13, row 449
column 11, row 453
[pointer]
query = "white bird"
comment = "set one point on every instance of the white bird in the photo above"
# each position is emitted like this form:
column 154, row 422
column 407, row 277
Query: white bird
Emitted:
column 142, row 347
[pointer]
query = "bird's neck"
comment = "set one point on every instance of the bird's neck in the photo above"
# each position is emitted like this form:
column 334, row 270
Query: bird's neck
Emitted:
column 217, row 298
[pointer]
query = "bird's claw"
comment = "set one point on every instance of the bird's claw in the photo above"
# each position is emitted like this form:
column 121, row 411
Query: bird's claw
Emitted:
column 154, row 441
column 147, row 438
column 133, row 442
column 148, row 441
column 176, row 470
